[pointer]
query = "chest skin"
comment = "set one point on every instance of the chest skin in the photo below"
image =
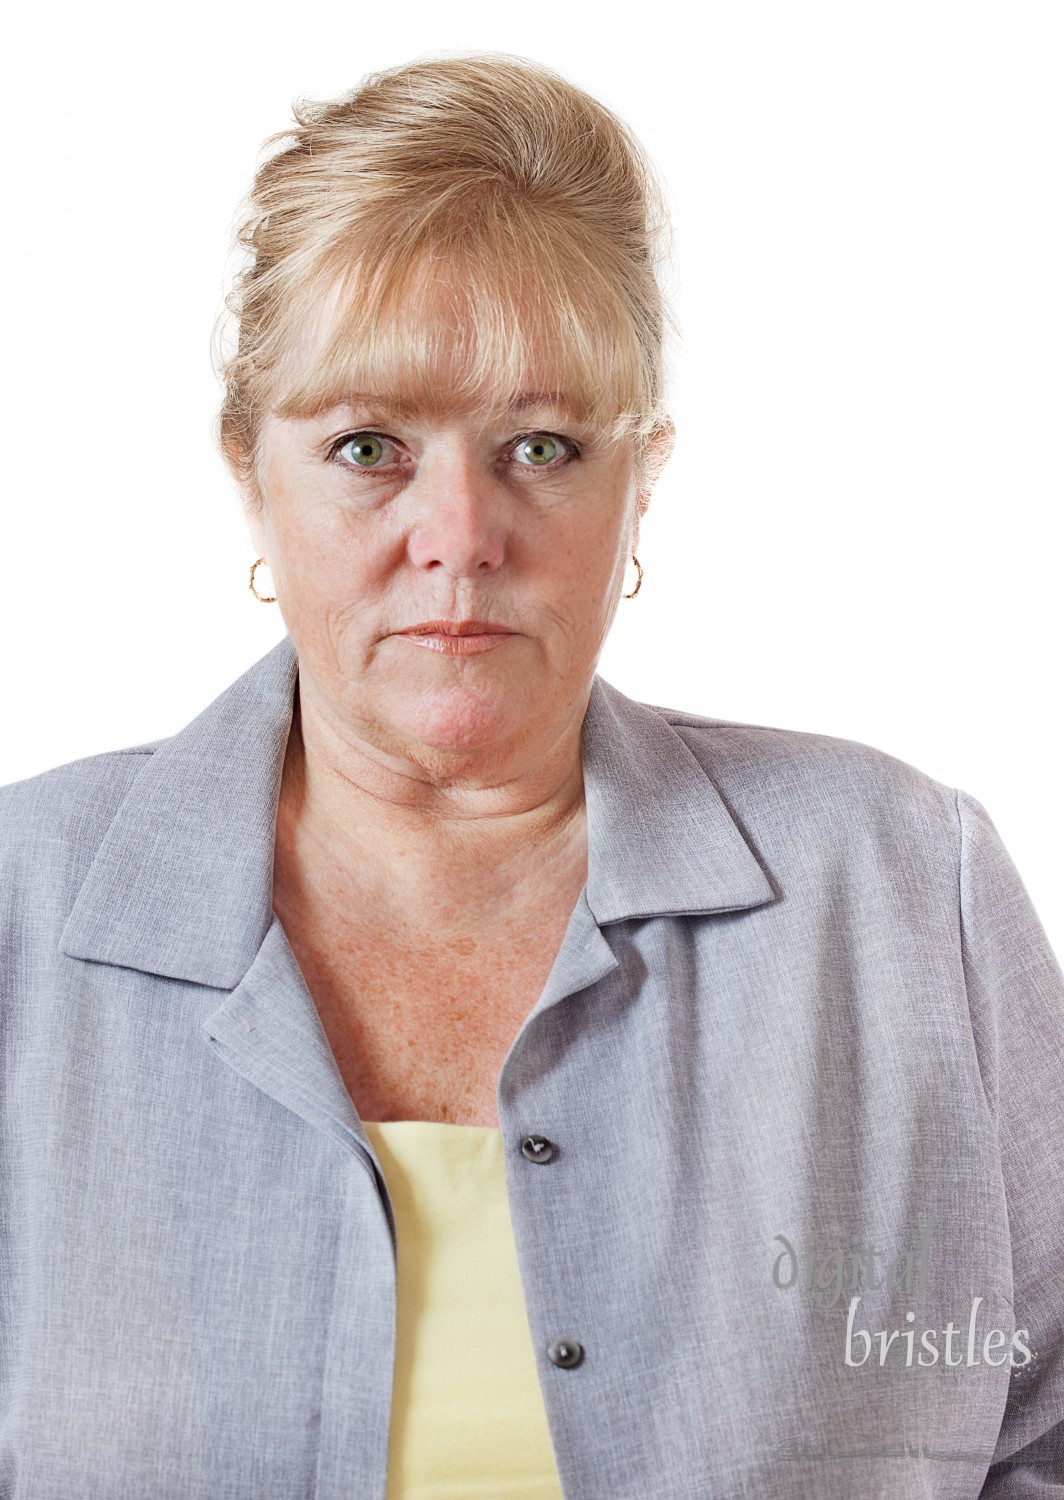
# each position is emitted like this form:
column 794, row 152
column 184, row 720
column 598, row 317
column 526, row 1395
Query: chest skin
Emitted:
column 419, row 1029
column 421, row 992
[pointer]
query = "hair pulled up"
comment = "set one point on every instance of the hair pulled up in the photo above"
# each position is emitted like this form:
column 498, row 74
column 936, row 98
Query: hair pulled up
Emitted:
column 468, row 224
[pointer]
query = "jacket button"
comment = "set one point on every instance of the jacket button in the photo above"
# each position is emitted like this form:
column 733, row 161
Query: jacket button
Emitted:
column 537, row 1148
column 565, row 1352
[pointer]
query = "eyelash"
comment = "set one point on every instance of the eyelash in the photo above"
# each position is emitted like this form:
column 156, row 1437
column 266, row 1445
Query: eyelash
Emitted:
column 551, row 468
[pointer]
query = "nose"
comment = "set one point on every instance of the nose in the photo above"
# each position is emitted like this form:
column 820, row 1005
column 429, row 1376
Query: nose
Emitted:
column 462, row 521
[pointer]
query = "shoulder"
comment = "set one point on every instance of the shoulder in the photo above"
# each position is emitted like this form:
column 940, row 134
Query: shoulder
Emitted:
column 52, row 823
column 818, row 784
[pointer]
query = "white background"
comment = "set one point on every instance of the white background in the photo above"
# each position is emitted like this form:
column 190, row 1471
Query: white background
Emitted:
column 859, row 533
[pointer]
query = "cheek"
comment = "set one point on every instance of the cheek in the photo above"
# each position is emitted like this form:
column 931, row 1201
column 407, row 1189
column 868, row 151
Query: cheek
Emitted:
column 586, row 568
column 598, row 552
column 327, row 556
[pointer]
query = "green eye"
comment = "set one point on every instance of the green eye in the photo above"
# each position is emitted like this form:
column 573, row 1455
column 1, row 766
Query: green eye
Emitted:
column 539, row 449
column 366, row 449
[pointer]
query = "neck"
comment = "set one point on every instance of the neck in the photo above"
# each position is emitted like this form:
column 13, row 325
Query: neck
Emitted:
column 347, row 816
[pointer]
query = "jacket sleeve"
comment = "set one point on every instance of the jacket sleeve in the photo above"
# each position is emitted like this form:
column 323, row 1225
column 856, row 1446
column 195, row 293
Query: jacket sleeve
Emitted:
column 1016, row 1000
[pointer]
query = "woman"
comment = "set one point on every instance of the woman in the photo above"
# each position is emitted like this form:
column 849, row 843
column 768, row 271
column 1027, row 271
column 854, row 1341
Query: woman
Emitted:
column 433, row 1072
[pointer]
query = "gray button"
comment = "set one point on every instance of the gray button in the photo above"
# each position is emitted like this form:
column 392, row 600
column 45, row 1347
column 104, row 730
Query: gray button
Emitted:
column 565, row 1352
column 537, row 1148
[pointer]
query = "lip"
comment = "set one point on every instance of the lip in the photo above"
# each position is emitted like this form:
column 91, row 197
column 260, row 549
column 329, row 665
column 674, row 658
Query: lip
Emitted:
column 457, row 627
column 458, row 637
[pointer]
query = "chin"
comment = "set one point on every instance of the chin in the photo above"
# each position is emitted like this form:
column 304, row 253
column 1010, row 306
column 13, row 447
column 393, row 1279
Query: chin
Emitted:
column 462, row 716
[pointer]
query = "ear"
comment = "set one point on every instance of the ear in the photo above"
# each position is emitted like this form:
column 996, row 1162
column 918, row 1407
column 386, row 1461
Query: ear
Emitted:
column 257, row 529
column 659, row 449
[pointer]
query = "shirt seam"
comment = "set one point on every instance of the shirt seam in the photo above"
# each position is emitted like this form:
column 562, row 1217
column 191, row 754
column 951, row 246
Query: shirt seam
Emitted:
column 992, row 1112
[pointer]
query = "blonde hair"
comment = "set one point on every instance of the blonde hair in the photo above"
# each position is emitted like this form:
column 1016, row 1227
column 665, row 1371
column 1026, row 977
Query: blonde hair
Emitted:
column 542, row 207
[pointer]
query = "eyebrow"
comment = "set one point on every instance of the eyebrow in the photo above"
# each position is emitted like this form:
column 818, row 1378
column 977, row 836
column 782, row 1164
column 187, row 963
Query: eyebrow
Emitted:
column 522, row 402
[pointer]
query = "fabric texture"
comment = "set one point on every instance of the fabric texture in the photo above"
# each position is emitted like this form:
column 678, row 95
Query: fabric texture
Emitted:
column 467, row 1420
column 799, row 1062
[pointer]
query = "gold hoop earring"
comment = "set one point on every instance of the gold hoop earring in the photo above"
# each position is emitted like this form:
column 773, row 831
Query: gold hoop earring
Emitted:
column 269, row 599
column 638, row 581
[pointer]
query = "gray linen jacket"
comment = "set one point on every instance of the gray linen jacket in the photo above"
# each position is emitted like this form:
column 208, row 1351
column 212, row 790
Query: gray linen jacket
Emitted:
column 800, row 1066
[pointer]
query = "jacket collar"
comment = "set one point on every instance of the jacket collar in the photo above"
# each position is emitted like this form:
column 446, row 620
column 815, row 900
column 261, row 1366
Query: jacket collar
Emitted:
column 182, row 882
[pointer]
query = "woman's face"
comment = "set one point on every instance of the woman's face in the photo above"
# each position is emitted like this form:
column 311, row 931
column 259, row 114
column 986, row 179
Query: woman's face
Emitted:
column 372, row 525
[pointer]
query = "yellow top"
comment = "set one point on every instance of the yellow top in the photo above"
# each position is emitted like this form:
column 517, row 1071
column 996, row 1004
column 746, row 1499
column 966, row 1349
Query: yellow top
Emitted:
column 468, row 1421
